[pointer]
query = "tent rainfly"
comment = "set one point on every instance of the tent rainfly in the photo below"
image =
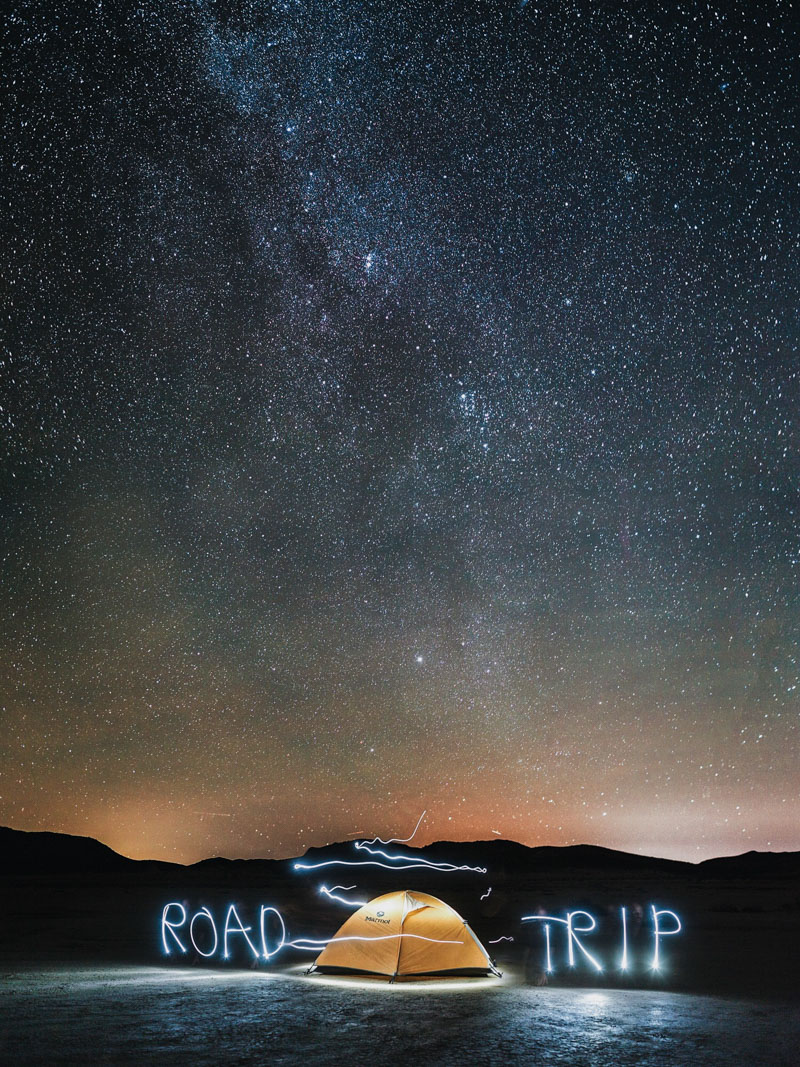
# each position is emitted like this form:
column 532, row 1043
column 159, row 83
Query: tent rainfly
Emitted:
column 405, row 934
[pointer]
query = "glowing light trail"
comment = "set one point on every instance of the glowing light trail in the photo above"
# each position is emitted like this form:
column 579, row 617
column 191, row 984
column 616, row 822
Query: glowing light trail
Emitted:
column 572, row 933
column 394, row 840
column 573, row 929
column 240, row 928
column 174, row 917
column 546, row 919
column 399, row 863
column 264, row 950
column 167, row 925
column 659, row 933
column 437, row 866
column 624, row 963
column 204, row 913
column 171, row 921
column 334, row 896
column 396, row 861
column 486, row 894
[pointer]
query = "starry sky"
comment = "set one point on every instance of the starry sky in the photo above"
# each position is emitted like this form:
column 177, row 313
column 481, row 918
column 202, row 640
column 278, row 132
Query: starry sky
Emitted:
column 399, row 412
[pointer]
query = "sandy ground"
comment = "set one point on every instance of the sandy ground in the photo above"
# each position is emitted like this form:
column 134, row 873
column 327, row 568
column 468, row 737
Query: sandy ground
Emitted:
column 135, row 1014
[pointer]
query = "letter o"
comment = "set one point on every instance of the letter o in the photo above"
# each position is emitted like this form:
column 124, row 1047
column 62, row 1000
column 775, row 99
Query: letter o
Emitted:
column 206, row 914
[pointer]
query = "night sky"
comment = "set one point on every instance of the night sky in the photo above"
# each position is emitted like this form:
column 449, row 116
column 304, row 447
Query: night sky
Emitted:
column 399, row 412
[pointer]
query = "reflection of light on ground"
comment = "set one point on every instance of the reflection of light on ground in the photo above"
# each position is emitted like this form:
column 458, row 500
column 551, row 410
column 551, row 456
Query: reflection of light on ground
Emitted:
column 597, row 1000
column 588, row 1000
column 159, row 976
column 153, row 1014
column 418, row 985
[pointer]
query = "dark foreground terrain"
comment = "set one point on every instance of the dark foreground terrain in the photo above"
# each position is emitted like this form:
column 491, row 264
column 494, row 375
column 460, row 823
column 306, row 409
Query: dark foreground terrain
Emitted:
column 84, row 977
column 140, row 1015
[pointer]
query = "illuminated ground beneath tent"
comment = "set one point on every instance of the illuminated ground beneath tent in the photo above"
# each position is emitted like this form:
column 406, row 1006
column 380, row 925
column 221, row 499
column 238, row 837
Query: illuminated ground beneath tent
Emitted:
column 146, row 1014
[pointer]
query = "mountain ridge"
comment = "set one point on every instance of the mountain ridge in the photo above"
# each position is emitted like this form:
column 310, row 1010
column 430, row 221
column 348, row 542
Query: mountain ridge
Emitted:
column 42, row 851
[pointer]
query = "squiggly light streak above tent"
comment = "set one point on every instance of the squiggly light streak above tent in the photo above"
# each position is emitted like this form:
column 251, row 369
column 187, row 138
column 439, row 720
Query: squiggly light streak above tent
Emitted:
column 334, row 896
column 436, row 865
column 398, row 863
column 395, row 840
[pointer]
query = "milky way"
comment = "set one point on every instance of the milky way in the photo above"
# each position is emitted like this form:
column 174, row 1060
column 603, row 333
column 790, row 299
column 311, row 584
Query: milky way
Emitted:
column 399, row 412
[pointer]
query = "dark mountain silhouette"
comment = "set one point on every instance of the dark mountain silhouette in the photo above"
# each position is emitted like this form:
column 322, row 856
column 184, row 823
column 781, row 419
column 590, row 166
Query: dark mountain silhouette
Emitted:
column 501, row 856
column 753, row 865
column 33, row 852
column 42, row 852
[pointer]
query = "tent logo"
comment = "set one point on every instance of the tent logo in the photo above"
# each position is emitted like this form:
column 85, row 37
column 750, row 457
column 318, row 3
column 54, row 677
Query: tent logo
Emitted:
column 380, row 914
column 372, row 919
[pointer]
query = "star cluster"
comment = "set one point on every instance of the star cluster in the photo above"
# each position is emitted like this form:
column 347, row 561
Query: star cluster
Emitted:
column 400, row 411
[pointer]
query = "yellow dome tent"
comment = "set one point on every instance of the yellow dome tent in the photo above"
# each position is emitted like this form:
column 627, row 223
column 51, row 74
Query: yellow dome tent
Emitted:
column 402, row 934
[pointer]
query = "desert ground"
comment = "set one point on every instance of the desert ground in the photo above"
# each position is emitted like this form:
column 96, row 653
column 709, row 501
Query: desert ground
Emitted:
column 138, row 1014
